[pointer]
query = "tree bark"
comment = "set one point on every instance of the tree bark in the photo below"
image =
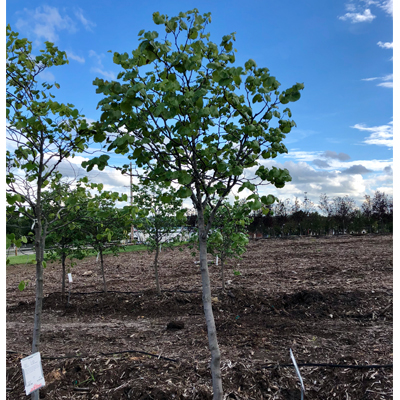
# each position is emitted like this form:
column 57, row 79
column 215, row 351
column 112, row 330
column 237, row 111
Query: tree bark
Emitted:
column 222, row 274
column 63, row 257
column 211, row 329
column 40, row 238
column 156, row 270
column 102, row 271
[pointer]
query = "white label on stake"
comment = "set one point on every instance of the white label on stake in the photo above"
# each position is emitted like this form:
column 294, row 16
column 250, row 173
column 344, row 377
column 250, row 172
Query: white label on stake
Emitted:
column 216, row 260
column 32, row 372
column 70, row 277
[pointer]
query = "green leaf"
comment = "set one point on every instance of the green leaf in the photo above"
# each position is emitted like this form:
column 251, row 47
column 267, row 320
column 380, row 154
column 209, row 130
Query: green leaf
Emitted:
column 237, row 170
column 268, row 200
column 99, row 137
column 184, row 178
column 193, row 33
column 255, row 205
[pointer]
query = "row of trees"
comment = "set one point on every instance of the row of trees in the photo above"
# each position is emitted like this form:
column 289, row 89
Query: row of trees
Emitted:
column 335, row 215
column 98, row 224
column 180, row 110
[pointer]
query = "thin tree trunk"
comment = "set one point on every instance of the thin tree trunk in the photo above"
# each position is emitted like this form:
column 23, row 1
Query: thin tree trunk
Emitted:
column 222, row 274
column 40, row 238
column 63, row 257
column 156, row 270
column 102, row 271
column 211, row 329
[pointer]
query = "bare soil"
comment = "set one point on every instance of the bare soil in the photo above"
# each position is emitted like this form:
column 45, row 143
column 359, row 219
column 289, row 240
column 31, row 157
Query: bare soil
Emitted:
column 327, row 299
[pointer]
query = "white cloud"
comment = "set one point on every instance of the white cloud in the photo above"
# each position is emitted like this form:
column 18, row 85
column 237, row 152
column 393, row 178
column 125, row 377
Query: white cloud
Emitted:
column 85, row 22
column 380, row 135
column 336, row 164
column 299, row 155
column 75, row 57
column 47, row 76
column 305, row 178
column 107, row 74
column 45, row 22
column 355, row 17
column 387, row 80
column 100, row 68
column 386, row 84
column 387, row 6
column 358, row 11
column 386, row 45
column 97, row 57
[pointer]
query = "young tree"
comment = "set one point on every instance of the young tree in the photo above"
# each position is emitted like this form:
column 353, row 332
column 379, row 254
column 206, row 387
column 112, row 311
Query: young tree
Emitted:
column 381, row 208
column 367, row 211
column 281, row 213
column 105, row 226
column 183, row 110
column 69, row 240
column 40, row 133
column 343, row 209
column 229, row 235
column 326, row 206
column 298, row 214
column 158, row 220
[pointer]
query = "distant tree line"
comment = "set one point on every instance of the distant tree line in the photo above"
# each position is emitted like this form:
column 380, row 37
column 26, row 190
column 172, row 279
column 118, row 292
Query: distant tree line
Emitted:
column 335, row 215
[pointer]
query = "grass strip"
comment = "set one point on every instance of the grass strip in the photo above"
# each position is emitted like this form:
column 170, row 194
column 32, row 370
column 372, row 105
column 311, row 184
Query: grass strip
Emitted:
column 31, row 258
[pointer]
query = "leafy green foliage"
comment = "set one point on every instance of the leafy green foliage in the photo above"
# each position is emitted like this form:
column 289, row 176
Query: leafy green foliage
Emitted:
column 184, row 111
column 228, row 237
column 159, row 218
column 160, row 214
column 42, row 131
column 195, row 110
column 103, row 225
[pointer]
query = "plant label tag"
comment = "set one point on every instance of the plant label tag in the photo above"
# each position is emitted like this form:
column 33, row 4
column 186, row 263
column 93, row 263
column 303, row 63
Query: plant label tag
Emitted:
column 69, row 277
column 32, row 372
column 216, row 260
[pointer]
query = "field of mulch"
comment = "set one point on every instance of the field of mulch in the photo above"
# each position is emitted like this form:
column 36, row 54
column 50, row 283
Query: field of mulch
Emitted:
column 328, row 299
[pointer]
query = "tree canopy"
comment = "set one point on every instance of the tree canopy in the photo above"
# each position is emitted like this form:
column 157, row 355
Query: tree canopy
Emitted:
column 183, row 111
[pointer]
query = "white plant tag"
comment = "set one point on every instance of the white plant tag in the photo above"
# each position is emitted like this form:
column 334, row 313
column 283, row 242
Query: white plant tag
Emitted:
column 216, row 260
column 32, row 372
column 69, row 277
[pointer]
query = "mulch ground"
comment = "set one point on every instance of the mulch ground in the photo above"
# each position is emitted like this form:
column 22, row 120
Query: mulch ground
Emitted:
column 327, row 299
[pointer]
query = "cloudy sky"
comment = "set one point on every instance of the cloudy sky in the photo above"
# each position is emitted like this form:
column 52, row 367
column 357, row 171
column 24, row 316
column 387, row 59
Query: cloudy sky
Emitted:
column 341, row 50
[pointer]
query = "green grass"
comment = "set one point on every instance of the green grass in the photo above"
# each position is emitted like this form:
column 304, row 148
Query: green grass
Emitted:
column 26, row 259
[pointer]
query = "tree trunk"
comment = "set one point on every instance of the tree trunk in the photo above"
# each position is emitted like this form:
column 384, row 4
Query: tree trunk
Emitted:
column 211, row 329
column 102, row 271
column 63, row 257
column 156, row 270
column 40, row 238
column 222, row 274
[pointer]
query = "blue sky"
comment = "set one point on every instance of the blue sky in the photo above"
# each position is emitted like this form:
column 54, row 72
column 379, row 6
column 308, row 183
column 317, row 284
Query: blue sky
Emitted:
column 341, row 50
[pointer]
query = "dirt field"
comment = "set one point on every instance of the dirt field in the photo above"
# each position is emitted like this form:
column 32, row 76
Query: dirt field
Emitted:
column 328, row 299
